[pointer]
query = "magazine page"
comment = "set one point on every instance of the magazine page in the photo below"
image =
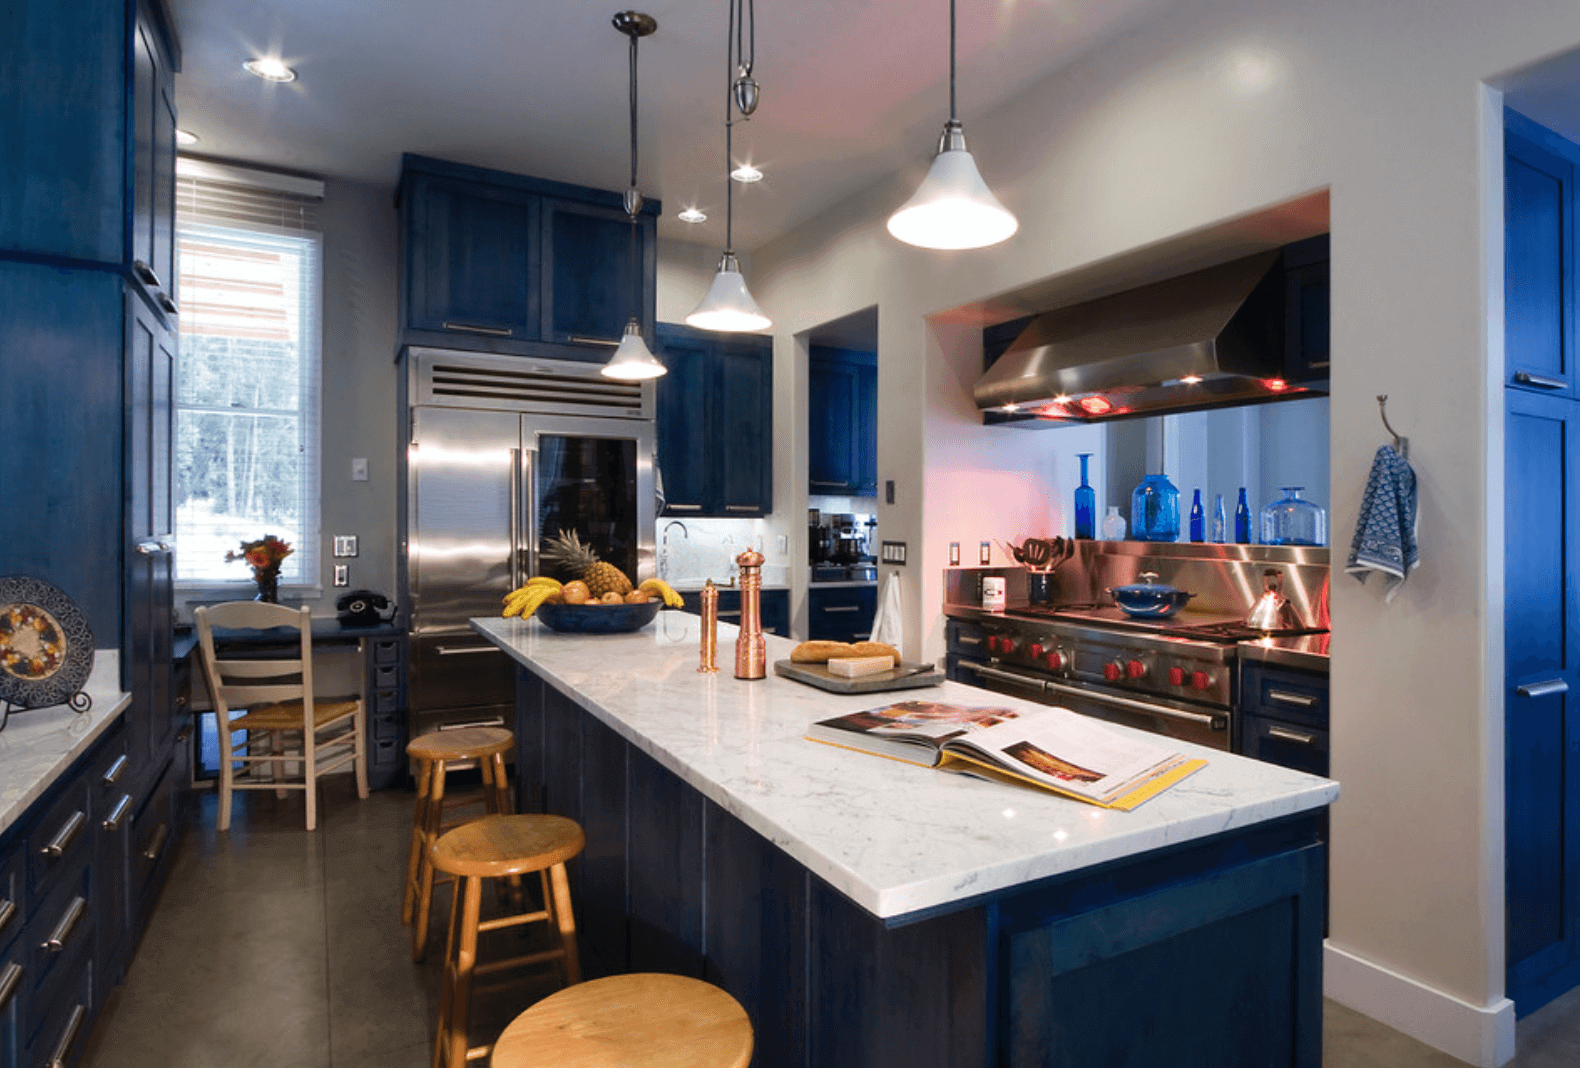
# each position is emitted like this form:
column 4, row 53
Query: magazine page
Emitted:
column 908, row 730
column 1068, row 752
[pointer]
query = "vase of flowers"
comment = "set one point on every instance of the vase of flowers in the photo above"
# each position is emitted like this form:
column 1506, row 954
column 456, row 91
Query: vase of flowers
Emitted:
column 264, row 556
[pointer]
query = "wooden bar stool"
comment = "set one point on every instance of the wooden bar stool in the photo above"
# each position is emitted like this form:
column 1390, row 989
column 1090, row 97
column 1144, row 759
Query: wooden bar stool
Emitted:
column 435, row 754
column 496, row 847
column 630, row 1021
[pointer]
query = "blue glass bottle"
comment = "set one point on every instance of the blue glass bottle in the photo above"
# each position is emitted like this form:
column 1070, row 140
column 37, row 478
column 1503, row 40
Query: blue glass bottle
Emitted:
column 1155, row 510
column 1197, row 519
column 1242, row 520
column 1085, row 504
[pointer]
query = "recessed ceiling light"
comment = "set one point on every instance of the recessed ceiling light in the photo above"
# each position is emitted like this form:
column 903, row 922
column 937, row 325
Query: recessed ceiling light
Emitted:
column 692, row 215
column 186, row 137
column 746, row 173
column 271, row 70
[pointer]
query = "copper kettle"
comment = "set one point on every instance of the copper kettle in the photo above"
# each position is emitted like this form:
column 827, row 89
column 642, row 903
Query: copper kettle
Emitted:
column 1272, row 611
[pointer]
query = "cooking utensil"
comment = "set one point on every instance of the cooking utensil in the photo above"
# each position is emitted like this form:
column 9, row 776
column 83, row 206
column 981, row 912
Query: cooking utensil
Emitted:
column 1149, row 599
column 1272, row 611
column 1038, row 552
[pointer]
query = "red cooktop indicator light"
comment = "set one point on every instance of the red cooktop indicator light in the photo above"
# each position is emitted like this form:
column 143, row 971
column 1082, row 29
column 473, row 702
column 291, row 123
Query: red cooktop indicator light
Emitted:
column 1095, row 406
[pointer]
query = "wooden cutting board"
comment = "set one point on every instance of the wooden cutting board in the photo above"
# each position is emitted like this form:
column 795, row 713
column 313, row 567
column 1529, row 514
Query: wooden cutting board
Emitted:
column 894, row 679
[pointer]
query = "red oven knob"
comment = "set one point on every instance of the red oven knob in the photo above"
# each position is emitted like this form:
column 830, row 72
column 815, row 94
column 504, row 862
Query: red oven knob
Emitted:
column 1200, row 680
column 1055, row 662
column 1136, row 669
column 1176, row 676
column 1006, row 645
column 1035, row 651
column 993, row 643
column 1112, row 672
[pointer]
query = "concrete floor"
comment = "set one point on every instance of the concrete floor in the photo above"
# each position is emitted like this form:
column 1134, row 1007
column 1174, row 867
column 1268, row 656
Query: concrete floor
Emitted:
column 276, row 948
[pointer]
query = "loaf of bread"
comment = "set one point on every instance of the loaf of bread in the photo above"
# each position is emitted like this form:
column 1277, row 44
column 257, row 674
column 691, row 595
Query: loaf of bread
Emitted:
column 874, row 649
column 820, row 652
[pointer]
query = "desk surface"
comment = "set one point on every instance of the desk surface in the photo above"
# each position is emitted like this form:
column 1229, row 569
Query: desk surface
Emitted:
column 325, row 632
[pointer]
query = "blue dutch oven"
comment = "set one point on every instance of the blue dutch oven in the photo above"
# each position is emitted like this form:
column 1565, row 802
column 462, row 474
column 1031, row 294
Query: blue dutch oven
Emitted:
column 1149, row 599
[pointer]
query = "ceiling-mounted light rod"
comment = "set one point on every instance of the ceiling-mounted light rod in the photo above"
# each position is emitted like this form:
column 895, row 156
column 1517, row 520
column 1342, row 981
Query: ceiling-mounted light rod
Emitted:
column 728, row 305
column 631, row 358
column 953, row 208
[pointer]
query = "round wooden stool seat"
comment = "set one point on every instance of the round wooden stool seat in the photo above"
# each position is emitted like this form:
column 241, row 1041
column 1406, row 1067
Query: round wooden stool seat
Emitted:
column 466, row 743
column 496, row 846
column 648, row 1020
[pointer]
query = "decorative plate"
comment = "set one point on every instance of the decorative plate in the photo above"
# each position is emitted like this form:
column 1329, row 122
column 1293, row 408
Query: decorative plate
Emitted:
column 46, row 646
column 597, row 618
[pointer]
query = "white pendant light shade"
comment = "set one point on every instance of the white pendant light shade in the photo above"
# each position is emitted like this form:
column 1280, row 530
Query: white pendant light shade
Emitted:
column 728, row 306
column 631, row 360
column 953, row 208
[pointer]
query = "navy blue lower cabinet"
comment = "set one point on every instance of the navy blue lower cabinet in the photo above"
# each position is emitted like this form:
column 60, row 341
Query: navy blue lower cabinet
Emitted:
column 841, row 613
column 1207, row 953
column 773, row 607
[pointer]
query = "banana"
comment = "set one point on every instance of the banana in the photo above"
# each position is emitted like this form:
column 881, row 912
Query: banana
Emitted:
column 663, row 589
column 544, row 580
column 528, row 602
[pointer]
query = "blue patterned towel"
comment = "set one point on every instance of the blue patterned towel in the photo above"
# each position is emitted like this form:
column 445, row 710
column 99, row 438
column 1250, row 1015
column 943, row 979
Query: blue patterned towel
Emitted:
column 1385, row 534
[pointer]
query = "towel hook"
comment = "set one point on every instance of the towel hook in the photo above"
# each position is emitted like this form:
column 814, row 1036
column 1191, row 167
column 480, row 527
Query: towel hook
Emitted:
column 1400, row 445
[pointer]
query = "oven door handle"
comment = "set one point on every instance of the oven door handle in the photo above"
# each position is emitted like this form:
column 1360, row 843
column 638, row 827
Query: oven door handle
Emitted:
column 1217, row 723
column 1005, row 676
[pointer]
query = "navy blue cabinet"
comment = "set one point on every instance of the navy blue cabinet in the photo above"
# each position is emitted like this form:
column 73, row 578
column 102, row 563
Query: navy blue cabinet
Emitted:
column 1539, row 257
column 841, row 613
column 499, row 262
column 715, row 422
column 842, row 428
column 1306, row 307
column 773, row 606
column 1284, row 716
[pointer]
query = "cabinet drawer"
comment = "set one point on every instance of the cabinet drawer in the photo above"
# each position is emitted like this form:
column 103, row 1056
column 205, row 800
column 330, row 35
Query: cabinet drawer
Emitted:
column 153, row 836
column 60, row 935
column 13, row 875
column 1299, row 697
column 61, row 839
column 60, row 1026
column 1290, row 745
column 386, row 702
column 387, row 651
column 965, row 639
column 386, row 676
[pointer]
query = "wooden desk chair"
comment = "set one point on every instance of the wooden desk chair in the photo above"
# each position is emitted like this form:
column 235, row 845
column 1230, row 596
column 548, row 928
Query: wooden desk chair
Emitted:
column 278, row 696
column 648, row 1020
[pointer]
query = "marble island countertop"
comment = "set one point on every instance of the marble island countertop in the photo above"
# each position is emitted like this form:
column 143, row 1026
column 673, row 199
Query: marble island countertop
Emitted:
column 894, row 838
column 39, row 744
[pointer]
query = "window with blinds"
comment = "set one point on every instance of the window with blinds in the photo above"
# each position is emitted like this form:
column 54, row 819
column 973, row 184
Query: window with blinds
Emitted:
column 249, row 254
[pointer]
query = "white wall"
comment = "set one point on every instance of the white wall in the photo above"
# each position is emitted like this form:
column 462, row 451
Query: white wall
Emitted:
column 1204, row 113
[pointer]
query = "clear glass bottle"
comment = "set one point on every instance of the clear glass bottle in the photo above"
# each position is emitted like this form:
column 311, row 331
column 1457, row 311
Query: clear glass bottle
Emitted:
column 1293, row 520
column 1113, row 524
column 1155, row 510
column 1242, row 520
column 1197, row 519
column 1085, row 504
column 1220, row 520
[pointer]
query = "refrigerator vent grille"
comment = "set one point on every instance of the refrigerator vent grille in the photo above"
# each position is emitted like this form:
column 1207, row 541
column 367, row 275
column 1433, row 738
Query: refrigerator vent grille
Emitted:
column 533, row 387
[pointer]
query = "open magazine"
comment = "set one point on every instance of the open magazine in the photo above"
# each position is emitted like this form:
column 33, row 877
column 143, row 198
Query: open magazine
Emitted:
column 1050, row 747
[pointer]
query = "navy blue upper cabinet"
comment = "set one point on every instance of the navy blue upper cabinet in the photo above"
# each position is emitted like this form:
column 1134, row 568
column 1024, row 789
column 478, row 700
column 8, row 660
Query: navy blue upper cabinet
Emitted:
column 1306, row 310
column 503, row 263
column 715, row 422
column 1539, row 239
column 842, row 436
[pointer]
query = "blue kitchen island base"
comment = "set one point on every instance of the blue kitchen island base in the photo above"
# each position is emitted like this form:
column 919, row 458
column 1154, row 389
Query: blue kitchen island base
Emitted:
column 1207, row 952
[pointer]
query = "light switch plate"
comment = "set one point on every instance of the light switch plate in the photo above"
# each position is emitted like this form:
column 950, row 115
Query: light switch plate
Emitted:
column 954, row 554
column 893, row 552
column 359, row 469
column 345, row 545
column 784, row 543
column 985, row 553
column 342, row 574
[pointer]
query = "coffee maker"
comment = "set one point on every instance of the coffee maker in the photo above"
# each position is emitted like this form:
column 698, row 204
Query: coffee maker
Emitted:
column 849, row 539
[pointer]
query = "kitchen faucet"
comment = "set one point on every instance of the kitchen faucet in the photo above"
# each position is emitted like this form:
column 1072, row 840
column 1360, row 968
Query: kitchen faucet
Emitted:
column 663, row 548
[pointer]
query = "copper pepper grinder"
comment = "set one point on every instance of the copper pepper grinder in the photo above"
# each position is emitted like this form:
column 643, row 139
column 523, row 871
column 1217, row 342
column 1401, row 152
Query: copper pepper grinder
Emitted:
column 710, row 629
column 751, row 651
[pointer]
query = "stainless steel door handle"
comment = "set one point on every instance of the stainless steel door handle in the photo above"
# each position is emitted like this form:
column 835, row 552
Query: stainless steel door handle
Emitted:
column 157, row 842
column 1299, row 700
column 112, row 774
column 515, row 519
column 112, row 822
column 465, row 650
column 580, row 340
column 489, row 331
column 1216, row 723
column 1545, row 688
column 1530, row 378
column 7, row 913
column 56, row 943
column 68, row 1038
column 1297, row 737
column 63, row 838
column 841, row 608
column 1004, row 676
column 9, row 982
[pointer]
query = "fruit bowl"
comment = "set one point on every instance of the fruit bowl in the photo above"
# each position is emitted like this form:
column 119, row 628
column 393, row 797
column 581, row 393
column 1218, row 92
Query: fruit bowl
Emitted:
column 598, row 618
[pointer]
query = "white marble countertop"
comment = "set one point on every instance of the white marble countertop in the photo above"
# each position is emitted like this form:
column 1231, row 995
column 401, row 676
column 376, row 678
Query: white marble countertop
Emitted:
column 39, row 744
column 892, row 837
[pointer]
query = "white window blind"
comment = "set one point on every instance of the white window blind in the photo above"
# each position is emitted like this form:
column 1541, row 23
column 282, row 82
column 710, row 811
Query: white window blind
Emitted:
column 247, row 393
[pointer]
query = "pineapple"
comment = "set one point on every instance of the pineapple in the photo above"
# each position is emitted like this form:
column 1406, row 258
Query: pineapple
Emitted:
column 567, row 551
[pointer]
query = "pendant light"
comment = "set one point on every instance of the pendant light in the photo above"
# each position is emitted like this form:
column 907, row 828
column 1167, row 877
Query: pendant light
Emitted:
column 728, row 306
column 632, row 359
column 953, row 208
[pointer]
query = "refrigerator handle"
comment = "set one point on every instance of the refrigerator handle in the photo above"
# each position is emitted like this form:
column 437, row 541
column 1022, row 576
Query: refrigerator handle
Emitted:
column 529, row 459
column 516, row 580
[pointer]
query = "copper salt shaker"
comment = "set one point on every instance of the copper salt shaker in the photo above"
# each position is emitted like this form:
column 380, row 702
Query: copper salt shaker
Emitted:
column 751, row 651
column 710, row 629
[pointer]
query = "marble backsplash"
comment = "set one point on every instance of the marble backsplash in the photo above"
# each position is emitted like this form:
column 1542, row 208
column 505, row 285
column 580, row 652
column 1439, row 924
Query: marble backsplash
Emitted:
column 691, row 551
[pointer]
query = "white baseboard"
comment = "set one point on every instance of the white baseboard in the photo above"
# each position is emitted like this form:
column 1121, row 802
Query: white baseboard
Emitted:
column 1478, row 1035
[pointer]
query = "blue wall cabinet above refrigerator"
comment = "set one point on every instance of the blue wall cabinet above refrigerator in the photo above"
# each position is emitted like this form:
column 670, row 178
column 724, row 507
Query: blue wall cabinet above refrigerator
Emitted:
column 498, row 262
column 842, row 430
column 715, row 422
column 1306, row 310
column 1539, row 257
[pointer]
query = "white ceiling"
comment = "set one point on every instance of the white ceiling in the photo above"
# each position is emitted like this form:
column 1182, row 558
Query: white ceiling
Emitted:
column 851, row 90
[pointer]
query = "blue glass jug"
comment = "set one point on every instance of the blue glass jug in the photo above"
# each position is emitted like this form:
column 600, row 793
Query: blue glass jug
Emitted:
column 1155, row 510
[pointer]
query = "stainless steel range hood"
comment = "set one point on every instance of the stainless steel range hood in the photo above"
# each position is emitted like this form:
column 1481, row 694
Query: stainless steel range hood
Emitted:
column 1208, row 339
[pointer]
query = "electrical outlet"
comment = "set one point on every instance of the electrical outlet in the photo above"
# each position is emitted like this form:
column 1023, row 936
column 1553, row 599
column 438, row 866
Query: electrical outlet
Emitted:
column 359, row 469
column 342, row 574
column 345, row 545
column 954, row 554
column 985, row 553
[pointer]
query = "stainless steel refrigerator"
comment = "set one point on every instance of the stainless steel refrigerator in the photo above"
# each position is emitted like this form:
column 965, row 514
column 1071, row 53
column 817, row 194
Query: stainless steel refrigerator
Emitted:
column 503, row 453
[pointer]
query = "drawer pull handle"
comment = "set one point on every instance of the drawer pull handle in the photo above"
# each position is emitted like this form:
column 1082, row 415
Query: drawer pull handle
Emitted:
column 671, row 506
column 964, row 640
column 63, row 838
column 1284, row 735
column 7, row 913
column 56, row 943
column 742, row 508
column 183, row 734
column 491, row 331
column 841, row 608
column 9, row 981
column 1545, row 688
column 821, row 482
column 168, row 305
column 146, row 274
column 112, row 774
column 730, row 615
column 578, row 339
column 1530, row 378
column 68, row 1038
column 465, row 650
column 118, row 813
column 1299, row 700
column 157, row 842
